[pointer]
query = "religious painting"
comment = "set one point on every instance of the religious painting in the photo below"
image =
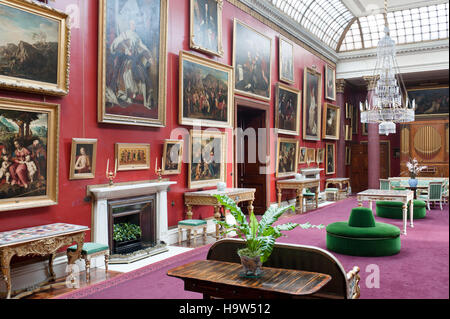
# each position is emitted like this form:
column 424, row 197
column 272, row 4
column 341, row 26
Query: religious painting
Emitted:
column 310, row 155
column 287, row 157
column 28, row 154
column 331, row 122
column 132, row 62
column 330, row 165
column 132, row 156
column 206, row 93
column 302, row 155
column 286, row 60
column 348, row 154
column 287, row 106
column 312, row 104
column 83, row 158
column 348, row 133
column 207, row 165
column 34, row 48
column 172, row 157
column 206, row 26
column 330, row 83
column 252, row 56
column 320, row 155
column 430, row 102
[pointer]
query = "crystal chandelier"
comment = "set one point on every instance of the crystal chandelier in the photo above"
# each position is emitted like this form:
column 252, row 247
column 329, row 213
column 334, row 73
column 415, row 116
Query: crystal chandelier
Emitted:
column 386, row 104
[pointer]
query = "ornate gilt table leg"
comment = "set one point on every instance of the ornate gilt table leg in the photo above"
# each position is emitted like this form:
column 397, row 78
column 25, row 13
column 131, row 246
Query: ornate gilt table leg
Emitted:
column 250, row 206
column 300, row 199
column 217, row 217
column 51, row 272
column 279, row 196
column 189, row 212
column 405, row 218
column 5, row 260
column 73, row 256
column 317, row 197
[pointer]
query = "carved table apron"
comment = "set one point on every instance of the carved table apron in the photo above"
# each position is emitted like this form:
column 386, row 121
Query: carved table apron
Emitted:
column 43, row 240
column 206, row 198
column 299, row 185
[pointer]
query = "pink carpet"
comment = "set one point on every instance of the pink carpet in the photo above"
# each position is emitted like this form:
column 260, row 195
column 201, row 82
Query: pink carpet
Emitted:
column 419, row 271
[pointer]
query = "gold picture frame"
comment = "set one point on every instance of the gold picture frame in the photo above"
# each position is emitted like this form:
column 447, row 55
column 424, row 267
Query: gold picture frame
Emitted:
column 310, row 155
column 31, row 185
column 348, row 113
column 117, row 103
column 331, row 121
column 312, row 105
column 171, row 163
column 195, row 27
column 302, row 155
column 223, row 110
column 330, row 156
column 207, row 143
column 330, row 83
column 348, row 133
column 320, row 155
column 287, row 157
column 364, row 129
column 255, row 40
column 286, row 60
column 51, row 57
column 287, row 106
column 430, row 101
column 132, row 156
column 348, row 154
column 83, row 158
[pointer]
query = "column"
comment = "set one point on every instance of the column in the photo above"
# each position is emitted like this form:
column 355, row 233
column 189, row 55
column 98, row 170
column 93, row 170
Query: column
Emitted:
column 340, row 152
column 373, row 141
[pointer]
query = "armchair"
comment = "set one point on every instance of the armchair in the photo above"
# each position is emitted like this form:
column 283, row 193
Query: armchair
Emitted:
column 435, row 194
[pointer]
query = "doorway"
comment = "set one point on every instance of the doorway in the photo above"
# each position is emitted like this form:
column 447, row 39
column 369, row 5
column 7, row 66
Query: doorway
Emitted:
column 250, row 152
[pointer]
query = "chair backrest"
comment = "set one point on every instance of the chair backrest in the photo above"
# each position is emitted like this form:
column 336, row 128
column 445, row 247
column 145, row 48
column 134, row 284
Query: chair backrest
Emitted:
column 435, row 190
column 291, row 256
column 385, row 184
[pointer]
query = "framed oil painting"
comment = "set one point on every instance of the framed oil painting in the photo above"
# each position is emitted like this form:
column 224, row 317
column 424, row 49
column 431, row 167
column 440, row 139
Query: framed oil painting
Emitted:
column 132, row 62
column 302, row 155
column 34, row 48
column 312, row 104
column 330, row 83
column 286, row 60
column 331, row 122
column 364, row 128
column 207, row 158
column 83, row 158
column 320, row 155
column 348, row 133
column 206, row 26
column 172, row 157
column 330, row 167
column 430, row 102
column 287, row 157
column 287, row 105
column 252, row 56
column 29, row 143
column 310, row 155
column 348, row 154
column 206, row 93
column 132, row 156
column 348, row 112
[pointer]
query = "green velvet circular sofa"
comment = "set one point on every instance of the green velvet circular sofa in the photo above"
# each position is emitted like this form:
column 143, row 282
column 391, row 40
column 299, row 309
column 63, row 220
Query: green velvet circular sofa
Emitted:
column 394, row 210
column 362, row 236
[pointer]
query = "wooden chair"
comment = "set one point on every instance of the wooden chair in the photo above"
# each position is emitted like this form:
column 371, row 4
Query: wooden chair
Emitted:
column 92, row 250
column 291, row 256
column 385, row 184
column 191, row 225
column 331, row 194
column 435, row 194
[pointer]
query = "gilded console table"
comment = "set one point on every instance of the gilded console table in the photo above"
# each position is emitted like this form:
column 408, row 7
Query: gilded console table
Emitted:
column 404, row 197
column 299, row 186
column 43, row 240
column 341, row 181
column 206, row 198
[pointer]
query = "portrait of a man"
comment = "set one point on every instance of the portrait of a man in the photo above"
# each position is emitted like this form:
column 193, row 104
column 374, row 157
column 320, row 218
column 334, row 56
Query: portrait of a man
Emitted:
column 206, row 20
column 286, row 52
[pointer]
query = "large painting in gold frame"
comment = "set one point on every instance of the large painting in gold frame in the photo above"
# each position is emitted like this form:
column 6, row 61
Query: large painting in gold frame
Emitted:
column 287, row 106
column 132, row 62
column 430, row 101
column 29, row 146
column 331, row 121
column 41, row 36
column 312, row 104
column 287, row 157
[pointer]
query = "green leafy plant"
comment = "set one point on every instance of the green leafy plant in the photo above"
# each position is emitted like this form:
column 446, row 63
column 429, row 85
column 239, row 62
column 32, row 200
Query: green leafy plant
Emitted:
column 126, row 231
column 259, row 236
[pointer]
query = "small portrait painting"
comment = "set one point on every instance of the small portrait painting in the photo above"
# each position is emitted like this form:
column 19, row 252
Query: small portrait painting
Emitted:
column 312, row 104
column 83, row 158
column 172, row 157
column 430, row 101
column 287, row 157
column 131, row 156
column 330, row 83
column 287, row 106
column 331, row 122
column 330, row 158
column 310, row 155
column 206, row 26
column 320, row 155
column 286, row 56
column 348, row 155
column 252, row 52
column 302, row 155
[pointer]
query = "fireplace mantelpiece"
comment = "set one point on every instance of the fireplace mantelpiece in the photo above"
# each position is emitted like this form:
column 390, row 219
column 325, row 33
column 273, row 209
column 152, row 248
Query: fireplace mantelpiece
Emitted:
column 102, row 193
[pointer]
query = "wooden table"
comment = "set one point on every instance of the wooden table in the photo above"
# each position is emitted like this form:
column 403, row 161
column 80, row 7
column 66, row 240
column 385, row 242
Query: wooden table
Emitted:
column 206, row 198
column 223, row 280
column 405, row 196
column 341, row 181
column 299, row 186
column 43, row 240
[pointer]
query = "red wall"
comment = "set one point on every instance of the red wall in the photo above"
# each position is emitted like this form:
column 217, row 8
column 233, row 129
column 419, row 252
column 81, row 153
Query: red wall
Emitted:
column 79, row 115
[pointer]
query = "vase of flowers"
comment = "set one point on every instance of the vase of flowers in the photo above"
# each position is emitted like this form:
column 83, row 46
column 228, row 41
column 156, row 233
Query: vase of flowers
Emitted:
column 414, row 169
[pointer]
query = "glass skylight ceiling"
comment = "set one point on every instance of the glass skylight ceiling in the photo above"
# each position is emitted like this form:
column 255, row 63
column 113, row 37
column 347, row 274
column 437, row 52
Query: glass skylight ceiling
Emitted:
column 329, row 19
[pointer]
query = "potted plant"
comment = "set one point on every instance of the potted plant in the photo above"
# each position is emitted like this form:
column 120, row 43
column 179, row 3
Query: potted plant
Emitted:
column 259, row 236
column 125, row 232
column 414, row 169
